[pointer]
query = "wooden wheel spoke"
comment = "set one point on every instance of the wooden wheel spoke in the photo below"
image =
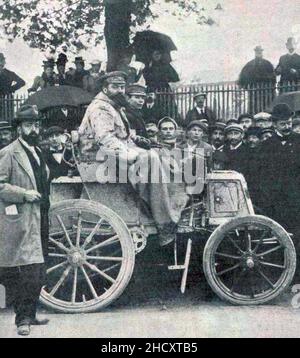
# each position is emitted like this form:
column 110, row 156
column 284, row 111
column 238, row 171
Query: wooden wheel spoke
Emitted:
column 107, row 242
column 111, row 267
column 53, row 254
column 89, row 282
column 101, row 273
column 248, row 238
column 228, row 270
column 235, row 245
column 272, row 265
column 265, row 278
column 222, row 254
column 53, row 268
column 105, row 258
column 60, row 281
column 74, row 288
column 79, row 227
column 237, row 281
column 59, row 244
column 92, row 234
column 261, row 239
column 59, row 219
column 270, row 251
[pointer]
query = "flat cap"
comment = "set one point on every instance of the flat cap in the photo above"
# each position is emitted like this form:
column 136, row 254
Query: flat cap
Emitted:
column 198, row 123
column 262, row 116
column 27, row 112
column 282, row 112
column 117, row 77
column 234, row 127
column 232, row 121
column 167, row 119
column 217, row 125
column 244, row 115
column 200, row 94
column 4, row 125
column 136, row 89
column 53, row 130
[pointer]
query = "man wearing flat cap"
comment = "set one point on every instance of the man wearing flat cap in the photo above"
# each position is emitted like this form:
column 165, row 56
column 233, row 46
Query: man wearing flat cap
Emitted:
column 167, row 134
column 263, row 120
column 217, row 140
column 136, row 95
column 200, row 111
column 234, row 134
column 24, row 204
column 281, row 178
column 6, row 135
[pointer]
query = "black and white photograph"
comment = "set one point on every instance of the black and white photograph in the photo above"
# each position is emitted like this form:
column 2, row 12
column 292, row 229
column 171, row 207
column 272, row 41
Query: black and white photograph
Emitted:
column 149, row 171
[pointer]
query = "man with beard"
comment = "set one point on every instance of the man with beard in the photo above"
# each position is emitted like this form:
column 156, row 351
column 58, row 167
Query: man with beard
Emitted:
column 217, row 140
column 105, row 121
column 234, row 147
column 245, row 120
column 5, row 134
column 24, row 204
column 281, row 165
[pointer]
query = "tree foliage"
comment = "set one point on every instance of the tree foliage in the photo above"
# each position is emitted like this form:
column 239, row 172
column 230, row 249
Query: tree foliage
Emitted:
column 79, row 23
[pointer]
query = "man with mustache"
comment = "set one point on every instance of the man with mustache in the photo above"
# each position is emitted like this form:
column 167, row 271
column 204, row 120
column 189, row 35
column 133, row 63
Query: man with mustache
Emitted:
column 5, row 134
column 280, row 173
column 217, row 140
column 24, row 204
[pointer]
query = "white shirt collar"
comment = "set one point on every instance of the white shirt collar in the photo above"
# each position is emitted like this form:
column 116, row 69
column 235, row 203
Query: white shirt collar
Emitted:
column 237, row 146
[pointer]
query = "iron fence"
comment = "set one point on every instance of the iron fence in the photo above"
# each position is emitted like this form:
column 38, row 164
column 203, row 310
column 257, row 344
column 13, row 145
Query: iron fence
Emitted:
column 226, row 99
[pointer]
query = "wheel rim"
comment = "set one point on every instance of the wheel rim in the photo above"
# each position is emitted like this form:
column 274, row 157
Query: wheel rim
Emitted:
column 250, row 262
column 87, row 261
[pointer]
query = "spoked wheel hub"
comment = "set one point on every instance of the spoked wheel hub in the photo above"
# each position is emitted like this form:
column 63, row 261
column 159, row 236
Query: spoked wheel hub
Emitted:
column 249, row 260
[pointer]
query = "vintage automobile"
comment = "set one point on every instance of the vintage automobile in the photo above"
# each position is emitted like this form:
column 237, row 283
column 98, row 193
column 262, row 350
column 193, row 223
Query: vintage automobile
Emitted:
column 97, row 229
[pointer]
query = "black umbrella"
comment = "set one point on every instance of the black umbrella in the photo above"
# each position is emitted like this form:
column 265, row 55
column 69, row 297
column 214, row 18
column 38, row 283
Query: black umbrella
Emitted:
column 290, row 98
column 61, row 96
column 145, row 42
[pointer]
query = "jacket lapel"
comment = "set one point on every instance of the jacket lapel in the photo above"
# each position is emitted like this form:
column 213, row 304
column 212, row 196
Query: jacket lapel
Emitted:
column 22, row 159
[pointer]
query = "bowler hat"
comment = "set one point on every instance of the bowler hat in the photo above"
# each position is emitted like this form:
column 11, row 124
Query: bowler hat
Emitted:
column 27, row 112
column 4, row 125
column 136, row 89
column 167, row 119
column 197, row 123
column 234, row 127
column 282, row 112
column 258, row 49
column 53, row 130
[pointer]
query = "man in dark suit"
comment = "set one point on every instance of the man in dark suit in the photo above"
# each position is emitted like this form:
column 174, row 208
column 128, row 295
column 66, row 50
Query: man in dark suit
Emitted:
column 9, row 81
column 217, row 139
column 151, row 110
column 24, row 205
column 234, row 147
column 200, row 111
column 6, row 135
column 289, row 64
column 281, row 171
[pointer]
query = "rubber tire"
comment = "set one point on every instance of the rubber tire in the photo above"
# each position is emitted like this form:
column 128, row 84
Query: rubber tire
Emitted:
column 216, row 238
column 127, row 245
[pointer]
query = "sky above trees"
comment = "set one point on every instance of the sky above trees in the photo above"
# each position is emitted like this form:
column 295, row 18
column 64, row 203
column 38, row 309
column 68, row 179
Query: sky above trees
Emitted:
column 205, row 53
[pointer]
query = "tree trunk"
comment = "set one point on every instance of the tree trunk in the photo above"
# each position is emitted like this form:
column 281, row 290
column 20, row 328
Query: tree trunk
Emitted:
column 116, row 30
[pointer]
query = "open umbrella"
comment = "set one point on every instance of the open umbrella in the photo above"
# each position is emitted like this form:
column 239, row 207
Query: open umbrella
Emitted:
column 61, row 96
column 290, row 98
column 145, row 42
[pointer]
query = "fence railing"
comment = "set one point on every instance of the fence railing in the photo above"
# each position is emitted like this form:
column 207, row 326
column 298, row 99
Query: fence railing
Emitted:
column 227, row 100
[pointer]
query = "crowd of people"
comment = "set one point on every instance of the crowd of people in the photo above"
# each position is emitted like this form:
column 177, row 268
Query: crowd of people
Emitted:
column 125, row 118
